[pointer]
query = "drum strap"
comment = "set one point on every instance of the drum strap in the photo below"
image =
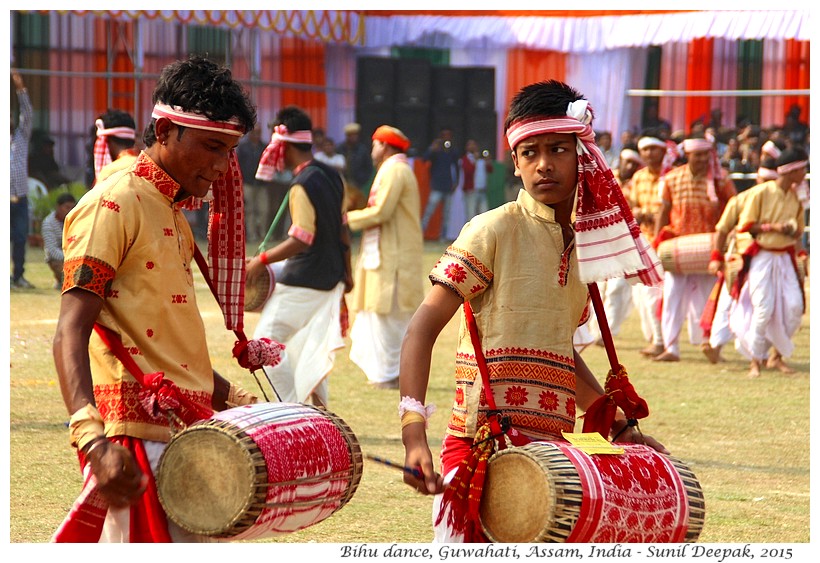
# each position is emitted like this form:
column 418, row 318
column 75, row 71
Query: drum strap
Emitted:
column 618, row 391
column 158, row 395
column 251, row 354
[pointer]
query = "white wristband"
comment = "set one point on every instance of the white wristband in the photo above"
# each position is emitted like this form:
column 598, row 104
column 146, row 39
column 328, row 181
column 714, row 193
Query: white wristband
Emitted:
column 410, row 404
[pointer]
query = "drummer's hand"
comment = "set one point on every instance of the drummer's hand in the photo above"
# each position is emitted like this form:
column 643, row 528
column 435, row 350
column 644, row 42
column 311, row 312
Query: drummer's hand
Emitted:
column 348, row 283
column 418, row 455
column 633, row 435
column 253, row 267
column 715, row 266
column 119, row 479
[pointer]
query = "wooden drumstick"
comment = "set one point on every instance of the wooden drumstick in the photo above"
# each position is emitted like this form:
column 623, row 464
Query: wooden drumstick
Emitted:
column 414, row 471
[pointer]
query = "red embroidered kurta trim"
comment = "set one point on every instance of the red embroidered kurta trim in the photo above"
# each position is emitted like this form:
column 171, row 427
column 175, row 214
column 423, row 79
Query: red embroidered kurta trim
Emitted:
column 301, row 234
column 536, row 388
column 90, row 274
column 563, row 270
column 120, row 403
column 148, row 169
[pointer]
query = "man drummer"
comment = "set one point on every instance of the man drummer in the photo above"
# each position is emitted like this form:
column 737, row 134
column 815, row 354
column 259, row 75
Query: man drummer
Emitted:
column 128, row 252
column 770, row 298
column 694, row 195
column 305, row 312
column 518, row 268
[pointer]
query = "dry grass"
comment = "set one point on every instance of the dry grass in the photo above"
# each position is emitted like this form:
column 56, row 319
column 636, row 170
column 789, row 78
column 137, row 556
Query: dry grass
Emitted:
column 747, row 441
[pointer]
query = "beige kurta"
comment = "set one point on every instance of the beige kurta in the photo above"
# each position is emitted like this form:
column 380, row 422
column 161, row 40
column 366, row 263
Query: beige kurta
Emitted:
column 393, row 210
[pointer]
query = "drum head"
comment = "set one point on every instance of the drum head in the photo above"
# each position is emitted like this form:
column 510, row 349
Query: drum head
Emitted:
column 208, row 479
column 518, row 501
column 259, row 289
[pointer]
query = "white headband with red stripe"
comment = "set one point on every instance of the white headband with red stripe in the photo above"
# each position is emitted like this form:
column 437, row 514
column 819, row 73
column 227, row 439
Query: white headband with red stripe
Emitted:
column 273, row 158
column 792, row 166
column 179, row 116
column 102, row 156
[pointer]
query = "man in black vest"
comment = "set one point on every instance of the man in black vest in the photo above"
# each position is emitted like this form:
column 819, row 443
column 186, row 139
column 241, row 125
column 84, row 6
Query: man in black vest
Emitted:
column 305, row 311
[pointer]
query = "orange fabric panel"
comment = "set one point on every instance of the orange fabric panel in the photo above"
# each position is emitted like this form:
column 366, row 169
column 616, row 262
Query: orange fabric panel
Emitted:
column 120, row 34
column 797, row 75
column 525, row 66
column 421, row 168
column 303, row 62
column 699, row 77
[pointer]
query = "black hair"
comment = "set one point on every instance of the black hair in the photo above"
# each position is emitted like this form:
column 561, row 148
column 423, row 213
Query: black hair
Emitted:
column 295, row 119
column 549, row 98
column 769, row 163
column 201, row 86
column 65, row 198
column 792, row 154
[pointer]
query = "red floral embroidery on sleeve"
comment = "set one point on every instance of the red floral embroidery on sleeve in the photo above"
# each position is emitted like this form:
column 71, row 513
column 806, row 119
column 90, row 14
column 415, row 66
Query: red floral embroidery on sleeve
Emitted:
column 455, row 272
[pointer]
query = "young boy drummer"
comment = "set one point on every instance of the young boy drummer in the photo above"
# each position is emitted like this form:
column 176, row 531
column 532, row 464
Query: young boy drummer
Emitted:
column 524, row 269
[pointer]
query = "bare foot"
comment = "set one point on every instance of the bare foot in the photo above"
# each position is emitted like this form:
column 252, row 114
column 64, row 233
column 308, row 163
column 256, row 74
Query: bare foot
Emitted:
column 778, row 364
column 713, row 354
column 754, row 370
column 666, row 357
column 652, row 350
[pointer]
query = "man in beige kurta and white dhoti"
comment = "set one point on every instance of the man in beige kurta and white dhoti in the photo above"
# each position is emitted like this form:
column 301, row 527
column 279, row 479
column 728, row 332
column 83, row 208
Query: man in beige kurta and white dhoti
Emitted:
column 389, row 279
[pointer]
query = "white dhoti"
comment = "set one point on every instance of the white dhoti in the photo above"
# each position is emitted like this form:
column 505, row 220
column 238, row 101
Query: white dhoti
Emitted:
column 616, row 294
column 769, row 308
column 721, row 331
column 376, row 342
column 647, row 300
column 684, row 298
column 307, row 322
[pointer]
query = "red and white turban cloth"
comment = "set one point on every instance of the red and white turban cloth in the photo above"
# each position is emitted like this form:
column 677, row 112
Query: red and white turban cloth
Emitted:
column 609, row 242
column 273, row 157
column 102, row 156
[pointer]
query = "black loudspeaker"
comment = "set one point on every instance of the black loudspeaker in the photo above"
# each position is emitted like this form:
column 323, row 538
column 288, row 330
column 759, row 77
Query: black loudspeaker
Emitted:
column 414, row 121
column 449, row 89
column 375, row 81
column 372, row 116
column 412, row 83
column 482, row 126
column 480, row 88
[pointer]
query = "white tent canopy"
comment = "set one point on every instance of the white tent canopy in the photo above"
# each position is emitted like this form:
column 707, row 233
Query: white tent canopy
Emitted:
column 582, row 34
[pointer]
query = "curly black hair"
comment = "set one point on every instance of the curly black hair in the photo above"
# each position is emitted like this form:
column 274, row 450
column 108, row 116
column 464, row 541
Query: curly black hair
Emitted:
column 295, row 119
column 548, row 98
column 201, row 86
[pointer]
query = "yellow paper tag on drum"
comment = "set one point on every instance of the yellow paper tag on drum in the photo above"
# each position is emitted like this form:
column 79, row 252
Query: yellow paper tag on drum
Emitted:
column 591, row 443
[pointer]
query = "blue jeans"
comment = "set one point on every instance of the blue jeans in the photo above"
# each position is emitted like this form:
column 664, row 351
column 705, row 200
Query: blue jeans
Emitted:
column 433, row 201
column 19, row 226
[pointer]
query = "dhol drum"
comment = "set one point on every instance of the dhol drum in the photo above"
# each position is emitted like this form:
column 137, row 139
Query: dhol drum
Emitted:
column 552, row 492
column 687, row 254
column 259, row 289
column 259, row 470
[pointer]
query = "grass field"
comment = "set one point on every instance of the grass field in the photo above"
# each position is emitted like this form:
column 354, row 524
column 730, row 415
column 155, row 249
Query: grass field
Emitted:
column 746, row 440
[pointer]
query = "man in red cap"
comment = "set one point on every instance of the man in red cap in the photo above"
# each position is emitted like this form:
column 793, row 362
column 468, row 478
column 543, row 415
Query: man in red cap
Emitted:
column 389, row 278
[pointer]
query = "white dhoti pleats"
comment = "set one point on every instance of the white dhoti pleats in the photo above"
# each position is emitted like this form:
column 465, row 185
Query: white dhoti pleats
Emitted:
column 307, row 322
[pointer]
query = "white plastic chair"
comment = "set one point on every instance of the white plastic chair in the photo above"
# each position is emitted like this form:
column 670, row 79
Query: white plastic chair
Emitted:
column 36, row 190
